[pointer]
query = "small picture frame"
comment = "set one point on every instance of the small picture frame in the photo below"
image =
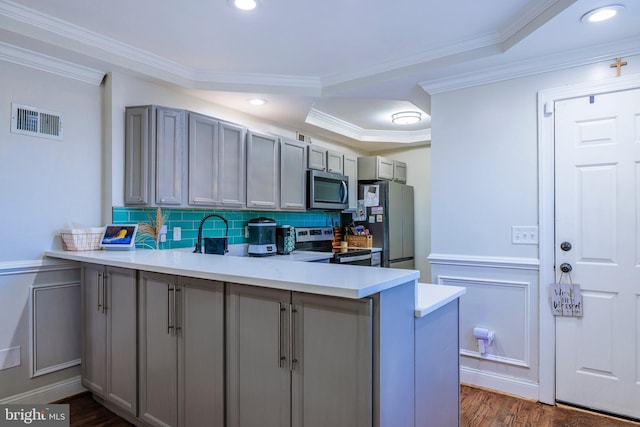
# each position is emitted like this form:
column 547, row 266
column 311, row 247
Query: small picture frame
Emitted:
column 119, row 237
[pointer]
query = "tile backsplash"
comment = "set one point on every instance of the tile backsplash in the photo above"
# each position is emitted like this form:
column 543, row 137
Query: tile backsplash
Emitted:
column 189, row 221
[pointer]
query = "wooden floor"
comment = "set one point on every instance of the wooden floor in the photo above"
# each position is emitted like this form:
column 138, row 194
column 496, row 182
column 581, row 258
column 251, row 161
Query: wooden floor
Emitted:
column 479, row 408
column 483, row 408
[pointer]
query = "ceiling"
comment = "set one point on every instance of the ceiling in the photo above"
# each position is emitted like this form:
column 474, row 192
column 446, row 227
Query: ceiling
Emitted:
column 334, row 68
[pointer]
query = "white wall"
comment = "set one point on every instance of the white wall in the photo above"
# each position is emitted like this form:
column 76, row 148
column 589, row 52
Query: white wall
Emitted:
column 485, row 180
column 47, row 184
column 418, row 160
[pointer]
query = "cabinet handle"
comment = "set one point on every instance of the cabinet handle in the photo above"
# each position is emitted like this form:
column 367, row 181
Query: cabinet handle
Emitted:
column 104, row 293
column 281, row 357
column 292, row 342
column 100, row 283
column 170, row 325
column 176, row 305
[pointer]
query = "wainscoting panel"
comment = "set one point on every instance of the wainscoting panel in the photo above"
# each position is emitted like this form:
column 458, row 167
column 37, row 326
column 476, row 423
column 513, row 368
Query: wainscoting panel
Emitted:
column 502, row 295
column 55, row 327
column 486, row 304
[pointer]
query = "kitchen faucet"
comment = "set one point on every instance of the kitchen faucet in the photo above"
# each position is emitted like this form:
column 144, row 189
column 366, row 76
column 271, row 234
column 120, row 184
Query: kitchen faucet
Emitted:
column 198, row 248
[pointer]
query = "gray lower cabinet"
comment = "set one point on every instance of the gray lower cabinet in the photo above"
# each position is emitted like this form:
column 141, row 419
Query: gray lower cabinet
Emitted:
column 181, row 351
column 109, row 338
column 297, row 359
column 263, row 170
column 217, row 160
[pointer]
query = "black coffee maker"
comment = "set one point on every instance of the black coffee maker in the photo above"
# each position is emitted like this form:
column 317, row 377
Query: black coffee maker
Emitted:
column 262, row 237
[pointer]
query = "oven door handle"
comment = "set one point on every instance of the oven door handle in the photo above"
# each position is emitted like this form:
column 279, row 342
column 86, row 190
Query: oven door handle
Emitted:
column 354, row 258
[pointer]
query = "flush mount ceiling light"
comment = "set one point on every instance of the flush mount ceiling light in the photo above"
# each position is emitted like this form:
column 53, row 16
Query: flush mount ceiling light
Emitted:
column 245, row 4
column 602, row 13
column 406, row 117
column 257, row 101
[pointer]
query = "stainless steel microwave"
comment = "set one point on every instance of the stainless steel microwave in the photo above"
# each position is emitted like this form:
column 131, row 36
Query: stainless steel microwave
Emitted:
column 327, row 190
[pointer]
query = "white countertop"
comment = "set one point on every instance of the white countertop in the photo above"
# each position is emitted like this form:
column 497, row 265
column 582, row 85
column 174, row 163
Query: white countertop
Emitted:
column 348, row 281
column 431, row 297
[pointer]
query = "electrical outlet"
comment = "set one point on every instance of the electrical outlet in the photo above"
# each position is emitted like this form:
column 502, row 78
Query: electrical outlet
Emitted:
column 177, row 234
column 524, row 235
column 246, row 231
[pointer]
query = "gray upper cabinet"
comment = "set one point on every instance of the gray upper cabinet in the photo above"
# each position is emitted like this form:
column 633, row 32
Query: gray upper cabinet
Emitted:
column 181, row 351
column 375, row 167
column 317, row 158
column 155, row 156
column 280, row 347
column 263, row 170
column 109, row 337
column 293, row 175
column 335, row 162
column 351, row 172
column 399, row 172
column 217, row 161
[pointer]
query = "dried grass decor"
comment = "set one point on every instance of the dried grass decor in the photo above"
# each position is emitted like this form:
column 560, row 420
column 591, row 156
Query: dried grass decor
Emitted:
column 152, row 229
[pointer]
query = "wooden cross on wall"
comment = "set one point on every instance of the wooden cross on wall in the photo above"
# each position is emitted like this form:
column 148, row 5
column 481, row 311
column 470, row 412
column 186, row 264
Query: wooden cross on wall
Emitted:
column 618, row 64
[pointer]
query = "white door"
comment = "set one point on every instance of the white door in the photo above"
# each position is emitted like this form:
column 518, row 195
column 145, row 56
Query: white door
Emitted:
column 598, row 212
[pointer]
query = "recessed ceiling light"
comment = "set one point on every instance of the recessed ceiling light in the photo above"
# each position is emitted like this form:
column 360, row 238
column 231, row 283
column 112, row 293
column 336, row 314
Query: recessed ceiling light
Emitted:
column 602, row 13
column 257, row 101
column 245, row 4
column 406, row 117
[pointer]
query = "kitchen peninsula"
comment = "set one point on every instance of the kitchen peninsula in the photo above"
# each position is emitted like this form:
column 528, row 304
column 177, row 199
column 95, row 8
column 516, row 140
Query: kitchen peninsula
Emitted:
column 183, row 339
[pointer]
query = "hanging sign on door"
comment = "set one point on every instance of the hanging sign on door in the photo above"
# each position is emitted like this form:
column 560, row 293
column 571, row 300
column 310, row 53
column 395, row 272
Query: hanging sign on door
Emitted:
column 566, row 299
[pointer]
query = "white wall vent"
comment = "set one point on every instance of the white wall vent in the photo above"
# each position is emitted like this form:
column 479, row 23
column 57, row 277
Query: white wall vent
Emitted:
column 33, row 121
column 303, row 137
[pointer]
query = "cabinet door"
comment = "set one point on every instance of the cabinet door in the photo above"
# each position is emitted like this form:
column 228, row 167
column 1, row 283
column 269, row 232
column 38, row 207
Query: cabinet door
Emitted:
column 201, row 353
column 293, row 175
column 331, row 335
column 203, row 160
column 138, row 155
column 317, row 158
column 121, row 311
column 399, row 172
column 232, row 165
column 94, row 345
column 263, row 167
column 351, row 171
column 385, row 168
column 158, row 350
column 258, row 376
column 170, row 156
column 334, row 162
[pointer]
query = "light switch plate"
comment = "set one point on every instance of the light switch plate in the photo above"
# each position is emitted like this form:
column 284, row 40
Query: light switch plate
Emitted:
column 524, row 235
column 177, row 234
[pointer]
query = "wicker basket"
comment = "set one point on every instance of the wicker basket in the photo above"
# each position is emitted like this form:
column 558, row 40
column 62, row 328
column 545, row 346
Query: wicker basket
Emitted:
column 81, row 239
column 360, row 241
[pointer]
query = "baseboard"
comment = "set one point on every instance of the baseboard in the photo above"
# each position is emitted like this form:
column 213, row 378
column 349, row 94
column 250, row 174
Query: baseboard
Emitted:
column 508, row 385
column 47, row 394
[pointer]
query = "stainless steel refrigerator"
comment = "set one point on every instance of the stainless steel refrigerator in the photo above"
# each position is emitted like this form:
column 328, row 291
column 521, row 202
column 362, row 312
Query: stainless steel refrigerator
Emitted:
column 386, row 209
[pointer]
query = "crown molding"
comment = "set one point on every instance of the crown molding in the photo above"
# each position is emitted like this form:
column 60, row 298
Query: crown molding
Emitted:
column 334, row 124
column 518, row 69
column 49, row 64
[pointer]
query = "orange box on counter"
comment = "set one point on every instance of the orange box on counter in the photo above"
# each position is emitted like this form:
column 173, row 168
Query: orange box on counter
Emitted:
column 360, row 241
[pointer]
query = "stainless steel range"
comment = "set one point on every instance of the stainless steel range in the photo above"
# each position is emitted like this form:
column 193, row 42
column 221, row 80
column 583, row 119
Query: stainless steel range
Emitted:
column 320, row 239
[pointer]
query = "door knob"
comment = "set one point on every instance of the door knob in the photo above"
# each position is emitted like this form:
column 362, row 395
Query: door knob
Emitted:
column 565, row 246
column 565, row 267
